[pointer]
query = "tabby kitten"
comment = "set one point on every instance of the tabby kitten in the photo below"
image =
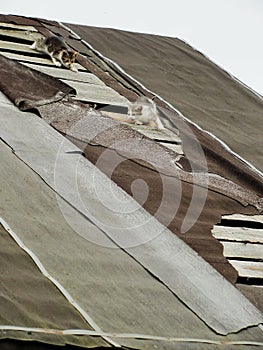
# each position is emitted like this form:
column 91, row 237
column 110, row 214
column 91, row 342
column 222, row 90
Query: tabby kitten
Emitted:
column 59, row 52
column 144, row 111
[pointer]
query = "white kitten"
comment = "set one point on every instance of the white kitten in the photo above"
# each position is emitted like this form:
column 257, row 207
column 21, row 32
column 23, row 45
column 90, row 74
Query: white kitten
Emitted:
column 144, row 111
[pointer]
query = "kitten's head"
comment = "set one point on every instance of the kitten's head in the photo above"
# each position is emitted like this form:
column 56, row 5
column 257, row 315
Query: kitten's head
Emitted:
column 135, row 111
column 68, row 58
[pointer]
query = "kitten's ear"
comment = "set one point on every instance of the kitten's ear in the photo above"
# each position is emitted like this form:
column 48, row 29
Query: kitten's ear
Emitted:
column 33, row 46
column 138, row 109
column 75, row 53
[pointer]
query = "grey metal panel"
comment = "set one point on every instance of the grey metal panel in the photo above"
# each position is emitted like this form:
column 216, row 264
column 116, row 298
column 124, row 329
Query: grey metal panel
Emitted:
column 193, row 280
column 21, row 57
column 20, row 34
column 174, row 147
column 238, row 234
column 253, row 218
column 5, row 101
column 97, row 93
column 17, row 47
column 32, row 59
column 113, row 288
column 250, row 269
column 160, row 135
column 243, row 250
column 18, row 27
column 67, row 74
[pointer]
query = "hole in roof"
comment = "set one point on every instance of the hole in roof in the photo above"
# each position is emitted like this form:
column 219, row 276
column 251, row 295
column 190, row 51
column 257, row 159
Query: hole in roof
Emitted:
column 241, row 223
column 242, row 241
column 10, row 38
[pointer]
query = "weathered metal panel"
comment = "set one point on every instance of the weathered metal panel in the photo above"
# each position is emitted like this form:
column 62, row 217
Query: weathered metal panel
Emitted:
column 19, row 48
column 250, row 269
column 32, row 59
column 158, row 135
column 239, row 234
column 243, row 250
column 176, row 265
column 67, row 74
column 24, row 58
column 19, row 34
column 4, row 100
column 252, row 218
column 18, row 27
column 97, row 93
column 174, row 147
column 112, row 287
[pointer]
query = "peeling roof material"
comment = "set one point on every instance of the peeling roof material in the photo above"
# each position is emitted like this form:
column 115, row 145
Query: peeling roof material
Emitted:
column 29, row 88
column 77, row 236
column 153, row 246
column 200, row 89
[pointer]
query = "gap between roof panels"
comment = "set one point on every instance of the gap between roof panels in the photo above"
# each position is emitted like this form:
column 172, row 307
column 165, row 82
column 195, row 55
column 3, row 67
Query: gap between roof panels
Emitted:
column 172, row 143
column 15, row 46
column 242, row 239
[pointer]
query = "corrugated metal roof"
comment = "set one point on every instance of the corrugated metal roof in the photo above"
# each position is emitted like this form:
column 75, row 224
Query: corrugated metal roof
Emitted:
column 66, row 250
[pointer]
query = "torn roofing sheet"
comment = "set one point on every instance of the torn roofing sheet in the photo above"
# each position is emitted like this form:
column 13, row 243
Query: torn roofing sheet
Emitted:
column 65, row 114
column 138, row 233
column 219, row 158
column 197, row 220
column 29, row 88
column 181, row 75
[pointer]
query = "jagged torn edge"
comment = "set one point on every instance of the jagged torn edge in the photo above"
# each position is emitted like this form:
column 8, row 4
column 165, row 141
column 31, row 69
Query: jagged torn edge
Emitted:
column 253, row 168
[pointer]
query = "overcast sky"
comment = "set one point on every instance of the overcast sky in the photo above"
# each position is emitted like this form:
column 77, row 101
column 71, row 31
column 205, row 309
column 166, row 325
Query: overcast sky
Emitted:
column 228, row 31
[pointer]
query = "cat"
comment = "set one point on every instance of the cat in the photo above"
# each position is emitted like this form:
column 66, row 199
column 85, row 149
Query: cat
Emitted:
column 59, row 52
column 144, row 111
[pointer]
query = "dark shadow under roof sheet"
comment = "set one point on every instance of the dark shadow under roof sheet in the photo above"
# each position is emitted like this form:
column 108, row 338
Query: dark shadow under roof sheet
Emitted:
column 29, row 88
column 190, row 82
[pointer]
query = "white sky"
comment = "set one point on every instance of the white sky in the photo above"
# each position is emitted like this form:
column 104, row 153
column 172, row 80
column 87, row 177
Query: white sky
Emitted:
column 228, row 31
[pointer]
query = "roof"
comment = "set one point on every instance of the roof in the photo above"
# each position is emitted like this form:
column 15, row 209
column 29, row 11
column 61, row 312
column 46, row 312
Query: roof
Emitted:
column 187, row 79
column 118, row 270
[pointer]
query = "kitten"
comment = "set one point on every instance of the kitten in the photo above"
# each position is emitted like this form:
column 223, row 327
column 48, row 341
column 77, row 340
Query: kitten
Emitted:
column 144, row 111
column 56, row 48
